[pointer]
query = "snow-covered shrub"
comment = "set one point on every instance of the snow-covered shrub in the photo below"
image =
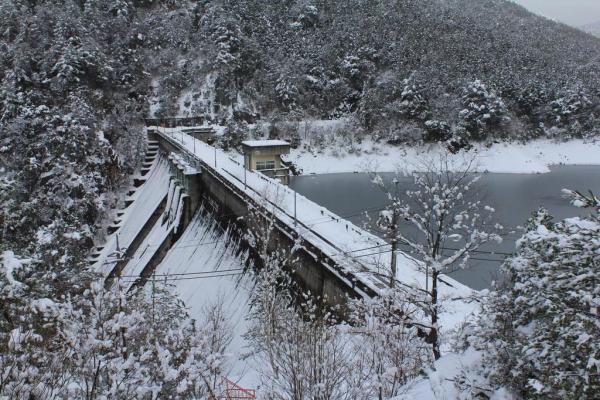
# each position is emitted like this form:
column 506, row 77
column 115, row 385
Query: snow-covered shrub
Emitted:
column 404, row 132
column 541, row 326
column 234, row 135
column 389, row 348
column 570, row 105
column 437, row 131
column 297, row 349
column 530, row 99
column 412, row 102
column 301, row 353
column 571, row 115
column 102, row 344
column 304, row 352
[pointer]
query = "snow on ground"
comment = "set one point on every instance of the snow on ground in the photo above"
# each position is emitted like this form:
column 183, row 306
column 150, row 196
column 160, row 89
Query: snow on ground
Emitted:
column 154, row 99
column 201, row 100
column 146, row 200
column 357, row 251
column 10, row 264
column 533, row 157
column 442, row 380
column 204, row 268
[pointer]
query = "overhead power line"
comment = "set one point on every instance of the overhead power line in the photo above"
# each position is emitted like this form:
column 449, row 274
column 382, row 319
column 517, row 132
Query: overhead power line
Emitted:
column 187, row 273
column 166, row 279
column 389, row 251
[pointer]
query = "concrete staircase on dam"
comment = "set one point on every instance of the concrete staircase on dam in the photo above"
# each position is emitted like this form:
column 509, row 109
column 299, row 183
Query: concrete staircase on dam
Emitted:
column 156, row 211
column 136, row 182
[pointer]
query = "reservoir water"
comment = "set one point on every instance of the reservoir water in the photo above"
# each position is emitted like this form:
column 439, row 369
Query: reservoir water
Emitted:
column 514, row 197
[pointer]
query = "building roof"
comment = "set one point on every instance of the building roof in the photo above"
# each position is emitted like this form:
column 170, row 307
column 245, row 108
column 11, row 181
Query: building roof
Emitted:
column 265, row 143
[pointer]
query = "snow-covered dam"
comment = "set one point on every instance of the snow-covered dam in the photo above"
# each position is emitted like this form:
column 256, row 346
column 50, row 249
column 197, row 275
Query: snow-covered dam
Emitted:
column 333, row 258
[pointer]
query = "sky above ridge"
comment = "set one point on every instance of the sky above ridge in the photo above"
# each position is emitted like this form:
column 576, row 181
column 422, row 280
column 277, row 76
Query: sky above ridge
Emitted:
column 573, row 12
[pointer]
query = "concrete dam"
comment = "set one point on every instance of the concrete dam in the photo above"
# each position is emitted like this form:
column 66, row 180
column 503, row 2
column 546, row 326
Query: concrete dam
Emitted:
column 183, row 179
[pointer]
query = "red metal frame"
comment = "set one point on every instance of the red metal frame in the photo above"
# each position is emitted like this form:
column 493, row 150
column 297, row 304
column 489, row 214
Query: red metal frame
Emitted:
column 235, row 392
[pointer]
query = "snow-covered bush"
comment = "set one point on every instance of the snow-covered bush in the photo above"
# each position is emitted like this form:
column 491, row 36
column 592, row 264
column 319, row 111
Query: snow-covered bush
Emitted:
column 390, row 351
column 541, row 326
column 103, row 345
column 412, row 103
column 300, row 352
column 437, row 130
column 303, row 351
column 571, row 115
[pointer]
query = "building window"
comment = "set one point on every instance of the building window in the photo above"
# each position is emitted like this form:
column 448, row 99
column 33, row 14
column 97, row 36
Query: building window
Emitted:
column 260, row 165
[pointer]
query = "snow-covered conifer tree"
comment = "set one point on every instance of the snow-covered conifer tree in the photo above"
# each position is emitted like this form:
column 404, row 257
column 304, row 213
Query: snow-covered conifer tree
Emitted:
column 570, row 115
column 542, row 325
column 484, row 112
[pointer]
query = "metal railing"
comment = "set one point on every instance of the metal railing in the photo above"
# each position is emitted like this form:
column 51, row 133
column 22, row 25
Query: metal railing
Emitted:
column 173, row 122
column 275, row 172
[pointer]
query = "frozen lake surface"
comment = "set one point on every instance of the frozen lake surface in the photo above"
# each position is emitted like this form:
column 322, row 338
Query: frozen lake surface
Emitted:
column 514, row 196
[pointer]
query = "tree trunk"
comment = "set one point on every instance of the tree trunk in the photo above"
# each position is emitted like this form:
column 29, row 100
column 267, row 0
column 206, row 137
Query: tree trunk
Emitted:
column 394, row 239
column 434, row 334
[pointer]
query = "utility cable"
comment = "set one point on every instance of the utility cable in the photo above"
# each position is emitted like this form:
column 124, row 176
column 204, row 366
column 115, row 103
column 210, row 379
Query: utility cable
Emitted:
column 166, row 279
column 389, row 251
column 188, row 273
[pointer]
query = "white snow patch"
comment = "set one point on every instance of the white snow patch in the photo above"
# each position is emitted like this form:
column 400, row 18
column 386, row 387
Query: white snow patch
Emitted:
column 441, row 380
column 72, row 235
column 10, row 264
column 534, row 157
column 45, row 306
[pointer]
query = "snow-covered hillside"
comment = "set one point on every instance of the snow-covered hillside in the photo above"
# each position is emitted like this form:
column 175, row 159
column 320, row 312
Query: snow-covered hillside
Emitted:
column 452, row 70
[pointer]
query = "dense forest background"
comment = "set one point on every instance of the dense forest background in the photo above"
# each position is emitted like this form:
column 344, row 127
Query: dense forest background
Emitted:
column 405, row 70
column 78, row 77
